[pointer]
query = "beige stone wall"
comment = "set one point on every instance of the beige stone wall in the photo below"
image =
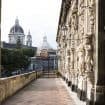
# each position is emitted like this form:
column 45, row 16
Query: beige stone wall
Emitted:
column 10, row 85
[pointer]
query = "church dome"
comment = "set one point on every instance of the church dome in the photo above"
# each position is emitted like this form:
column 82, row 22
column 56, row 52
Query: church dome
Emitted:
column 45, row 47
column 45, row 44
column 17, row 28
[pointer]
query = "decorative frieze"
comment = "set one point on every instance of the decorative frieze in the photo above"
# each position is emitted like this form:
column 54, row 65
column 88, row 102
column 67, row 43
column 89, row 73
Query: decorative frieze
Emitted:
column 79, row 54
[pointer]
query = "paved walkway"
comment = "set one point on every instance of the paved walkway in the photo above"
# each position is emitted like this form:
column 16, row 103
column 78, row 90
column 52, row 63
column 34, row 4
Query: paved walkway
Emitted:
column 44, row 91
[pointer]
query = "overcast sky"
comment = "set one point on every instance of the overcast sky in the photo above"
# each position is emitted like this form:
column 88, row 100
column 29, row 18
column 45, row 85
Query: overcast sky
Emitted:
column 40, row 16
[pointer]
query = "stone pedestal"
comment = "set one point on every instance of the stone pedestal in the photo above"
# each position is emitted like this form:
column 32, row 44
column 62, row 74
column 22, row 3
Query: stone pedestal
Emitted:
column 66, row 80
column 100, row 95
column 76, row 84
column 91, row 100
column 69, row 80
column 73, row 84
column 90, row 87
column 63, row 78
column 79, row 93
column 84, row 90
column 69, row 83
column 79, row 89
column 73, row 87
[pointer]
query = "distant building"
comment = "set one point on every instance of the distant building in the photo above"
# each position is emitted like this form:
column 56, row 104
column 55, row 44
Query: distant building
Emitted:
column 29, row 39
column 17, row 33
column 45, row 49
column 45, row 44
column 13, row 46
column 46, row 57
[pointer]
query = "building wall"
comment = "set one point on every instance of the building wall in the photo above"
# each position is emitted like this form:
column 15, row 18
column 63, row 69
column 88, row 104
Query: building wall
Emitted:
column 76, row 38
column 44, row 63
column 14, row 37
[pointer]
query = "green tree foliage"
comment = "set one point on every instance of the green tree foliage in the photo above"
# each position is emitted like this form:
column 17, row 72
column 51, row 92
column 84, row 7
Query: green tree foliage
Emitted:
column 12, row 59
column 28, row 52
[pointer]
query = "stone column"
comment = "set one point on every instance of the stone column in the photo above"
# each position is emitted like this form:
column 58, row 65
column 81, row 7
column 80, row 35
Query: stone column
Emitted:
column 72, row 68
column 80, row 48
column 0, row 37
column 100, row 52
column 69, row 55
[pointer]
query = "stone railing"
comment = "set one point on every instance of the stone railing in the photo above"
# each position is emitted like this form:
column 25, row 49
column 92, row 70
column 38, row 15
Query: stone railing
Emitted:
column 10, row 85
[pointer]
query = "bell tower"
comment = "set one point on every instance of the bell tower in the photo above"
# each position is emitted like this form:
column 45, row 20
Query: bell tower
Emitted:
column 29, row 39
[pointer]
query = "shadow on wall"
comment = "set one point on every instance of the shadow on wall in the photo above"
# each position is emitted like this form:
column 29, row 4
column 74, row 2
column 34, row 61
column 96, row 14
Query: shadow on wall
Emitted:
column 102, row 63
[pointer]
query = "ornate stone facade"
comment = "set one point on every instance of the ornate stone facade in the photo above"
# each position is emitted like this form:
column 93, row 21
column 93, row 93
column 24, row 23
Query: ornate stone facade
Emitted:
column 77, row 47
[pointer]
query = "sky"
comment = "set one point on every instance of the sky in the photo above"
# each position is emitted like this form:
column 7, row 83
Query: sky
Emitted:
column 39, row 16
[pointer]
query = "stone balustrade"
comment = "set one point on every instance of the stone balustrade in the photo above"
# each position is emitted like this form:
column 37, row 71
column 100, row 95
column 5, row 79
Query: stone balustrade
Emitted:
column 10, row 85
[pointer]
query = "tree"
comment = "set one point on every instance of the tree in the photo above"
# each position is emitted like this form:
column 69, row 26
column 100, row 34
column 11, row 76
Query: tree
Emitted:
column 15, row 59
column 29, row 52
column 12, row 60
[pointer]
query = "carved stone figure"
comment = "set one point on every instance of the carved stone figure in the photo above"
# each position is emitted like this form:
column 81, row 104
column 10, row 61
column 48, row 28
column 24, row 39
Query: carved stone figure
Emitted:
column 80, row 59
column 74, row 21
column 88, row 54
column 91, row 2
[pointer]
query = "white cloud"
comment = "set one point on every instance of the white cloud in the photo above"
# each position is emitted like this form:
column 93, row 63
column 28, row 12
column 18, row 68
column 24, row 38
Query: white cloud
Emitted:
column 40, row 16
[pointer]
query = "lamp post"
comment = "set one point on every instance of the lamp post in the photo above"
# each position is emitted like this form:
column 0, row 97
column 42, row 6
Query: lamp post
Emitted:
column 48, row 65
column 54, row 63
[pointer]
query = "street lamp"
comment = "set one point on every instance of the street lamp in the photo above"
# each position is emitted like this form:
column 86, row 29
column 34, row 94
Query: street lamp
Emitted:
column 48, row 65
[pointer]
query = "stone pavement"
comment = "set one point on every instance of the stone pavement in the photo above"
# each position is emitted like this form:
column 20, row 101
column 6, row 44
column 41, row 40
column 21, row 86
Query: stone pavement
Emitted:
column 73, row 95
column 44, row 91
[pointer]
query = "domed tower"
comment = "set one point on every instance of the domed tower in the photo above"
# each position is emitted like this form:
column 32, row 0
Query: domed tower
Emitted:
column 29, row 39
column 45, row 44
column 16, row 33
